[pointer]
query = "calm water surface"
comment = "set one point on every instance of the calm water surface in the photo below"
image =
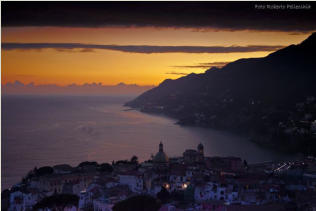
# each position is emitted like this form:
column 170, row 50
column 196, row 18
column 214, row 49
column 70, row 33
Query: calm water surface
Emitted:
column 42, row 130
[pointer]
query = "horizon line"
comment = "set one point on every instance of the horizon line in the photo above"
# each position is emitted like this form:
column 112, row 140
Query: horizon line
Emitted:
column 96, row 84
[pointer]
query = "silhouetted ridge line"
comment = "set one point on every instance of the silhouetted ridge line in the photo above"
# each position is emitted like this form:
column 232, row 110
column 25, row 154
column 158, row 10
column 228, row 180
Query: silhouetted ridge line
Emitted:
column 252, row 96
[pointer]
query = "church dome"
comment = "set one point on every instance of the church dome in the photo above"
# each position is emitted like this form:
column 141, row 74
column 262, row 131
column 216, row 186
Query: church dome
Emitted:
column 161, row 156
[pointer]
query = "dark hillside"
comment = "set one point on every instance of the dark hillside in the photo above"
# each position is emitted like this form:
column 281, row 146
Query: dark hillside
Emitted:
column 261, row 97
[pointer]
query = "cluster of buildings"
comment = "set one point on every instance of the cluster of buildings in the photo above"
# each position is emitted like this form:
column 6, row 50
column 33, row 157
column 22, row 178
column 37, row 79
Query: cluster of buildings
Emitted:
column 193, row 182
column 302, row 122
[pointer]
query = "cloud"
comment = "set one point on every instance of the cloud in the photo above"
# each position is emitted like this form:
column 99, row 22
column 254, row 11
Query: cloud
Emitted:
column 203, row 65
column 198, row 15
column 87, row 130
column 147, row 49
column 176, row 73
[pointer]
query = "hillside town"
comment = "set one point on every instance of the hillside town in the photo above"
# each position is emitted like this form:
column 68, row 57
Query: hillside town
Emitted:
column 190, row 182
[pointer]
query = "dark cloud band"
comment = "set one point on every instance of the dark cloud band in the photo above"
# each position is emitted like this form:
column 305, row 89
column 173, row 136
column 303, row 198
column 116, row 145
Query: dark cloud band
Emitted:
column 216, row 15
column 204, row 65
column 176, row 73
column 147, row 49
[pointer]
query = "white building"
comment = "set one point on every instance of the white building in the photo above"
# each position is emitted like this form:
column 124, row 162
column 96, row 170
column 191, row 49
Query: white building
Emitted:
column 102, row 205
column 85, row 200
column 215, row 191
column 20, row 201
column 133, row 179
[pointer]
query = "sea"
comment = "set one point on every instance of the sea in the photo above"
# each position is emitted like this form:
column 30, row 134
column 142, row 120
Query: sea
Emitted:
column 49, row 130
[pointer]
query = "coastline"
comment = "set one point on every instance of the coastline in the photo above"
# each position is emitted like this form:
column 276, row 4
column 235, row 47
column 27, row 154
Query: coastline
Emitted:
column 268, row 141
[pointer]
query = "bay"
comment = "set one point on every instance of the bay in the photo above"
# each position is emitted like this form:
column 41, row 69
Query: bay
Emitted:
column 50, row 130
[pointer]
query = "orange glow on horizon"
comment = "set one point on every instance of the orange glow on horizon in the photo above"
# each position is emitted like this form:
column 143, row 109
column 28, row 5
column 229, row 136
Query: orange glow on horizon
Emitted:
column 109, row 67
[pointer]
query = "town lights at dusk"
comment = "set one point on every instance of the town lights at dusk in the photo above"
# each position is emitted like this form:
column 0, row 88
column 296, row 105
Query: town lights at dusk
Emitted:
column 167, row 186
column 184, row 186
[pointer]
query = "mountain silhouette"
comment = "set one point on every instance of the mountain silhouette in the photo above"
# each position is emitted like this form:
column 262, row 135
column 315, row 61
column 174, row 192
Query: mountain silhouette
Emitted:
column 242, row 93
column 287, row 74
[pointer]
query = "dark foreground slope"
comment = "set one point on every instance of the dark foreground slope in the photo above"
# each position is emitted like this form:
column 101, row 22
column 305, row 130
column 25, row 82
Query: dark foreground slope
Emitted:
column 271, row 99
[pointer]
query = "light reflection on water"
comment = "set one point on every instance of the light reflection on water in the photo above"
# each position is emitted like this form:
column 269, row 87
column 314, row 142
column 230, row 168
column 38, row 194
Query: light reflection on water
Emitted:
column 39, row 130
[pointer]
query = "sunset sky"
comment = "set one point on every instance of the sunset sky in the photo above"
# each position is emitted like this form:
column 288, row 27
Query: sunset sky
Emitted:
column 140, row 43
